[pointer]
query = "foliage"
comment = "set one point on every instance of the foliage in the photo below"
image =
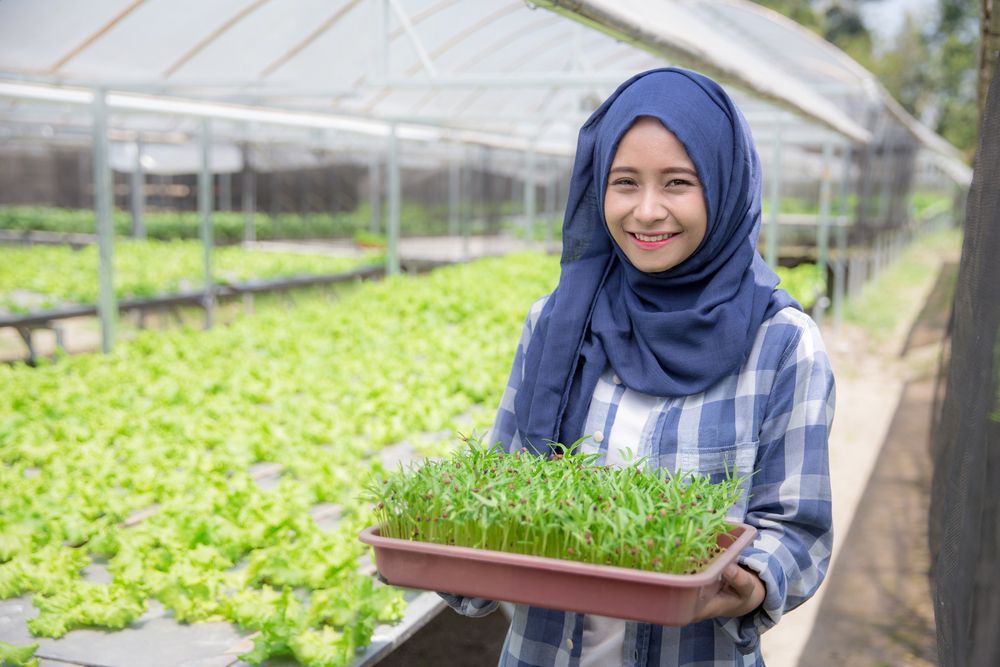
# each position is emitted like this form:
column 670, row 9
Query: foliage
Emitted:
column 18, row 656
column 38, row 277
column 142, row 460
column 561, row 507
column 876, row 310
column 942, row 90
column 804, row 282
column 227, row 226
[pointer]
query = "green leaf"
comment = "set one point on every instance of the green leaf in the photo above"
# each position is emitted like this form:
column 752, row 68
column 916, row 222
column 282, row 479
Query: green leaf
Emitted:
column 18, row 656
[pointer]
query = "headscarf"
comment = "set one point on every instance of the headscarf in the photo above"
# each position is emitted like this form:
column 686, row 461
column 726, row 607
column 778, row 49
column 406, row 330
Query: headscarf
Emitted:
column 673, row 333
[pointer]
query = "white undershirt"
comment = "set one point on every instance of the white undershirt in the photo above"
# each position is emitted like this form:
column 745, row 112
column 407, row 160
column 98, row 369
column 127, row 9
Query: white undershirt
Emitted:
column 604, row 637
column 603, row 641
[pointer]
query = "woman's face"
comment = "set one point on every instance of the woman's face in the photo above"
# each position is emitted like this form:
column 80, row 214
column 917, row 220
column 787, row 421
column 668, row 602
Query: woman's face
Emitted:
column 654, row 205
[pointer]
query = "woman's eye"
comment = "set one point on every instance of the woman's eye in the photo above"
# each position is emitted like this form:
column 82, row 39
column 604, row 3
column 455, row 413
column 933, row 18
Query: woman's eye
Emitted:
column 623, row 181
column 678, row 182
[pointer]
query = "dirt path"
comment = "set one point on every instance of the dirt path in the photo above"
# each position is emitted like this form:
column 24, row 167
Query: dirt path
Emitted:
column 875, row 607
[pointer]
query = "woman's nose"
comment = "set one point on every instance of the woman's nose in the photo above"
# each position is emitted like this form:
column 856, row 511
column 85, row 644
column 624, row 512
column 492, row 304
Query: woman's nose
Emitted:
column 650, row 207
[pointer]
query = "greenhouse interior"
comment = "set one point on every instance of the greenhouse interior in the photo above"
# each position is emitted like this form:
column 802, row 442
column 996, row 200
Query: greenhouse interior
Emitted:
column 255, row 254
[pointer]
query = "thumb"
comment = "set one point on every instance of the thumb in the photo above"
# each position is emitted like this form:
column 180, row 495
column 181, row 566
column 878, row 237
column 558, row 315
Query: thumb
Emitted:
column 738, row 579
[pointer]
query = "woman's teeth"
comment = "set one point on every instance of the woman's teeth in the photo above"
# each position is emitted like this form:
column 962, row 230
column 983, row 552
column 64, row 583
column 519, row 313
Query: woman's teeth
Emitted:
column 653, row 239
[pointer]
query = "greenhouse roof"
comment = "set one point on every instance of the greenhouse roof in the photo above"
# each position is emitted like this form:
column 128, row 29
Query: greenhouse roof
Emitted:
column 494, row 72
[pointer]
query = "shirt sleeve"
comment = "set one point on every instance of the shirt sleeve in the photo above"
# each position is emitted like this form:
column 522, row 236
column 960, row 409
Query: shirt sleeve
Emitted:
column 503, row 432
column 790, row 500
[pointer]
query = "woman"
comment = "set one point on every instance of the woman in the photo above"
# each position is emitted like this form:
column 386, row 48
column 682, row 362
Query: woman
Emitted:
column 667, row 336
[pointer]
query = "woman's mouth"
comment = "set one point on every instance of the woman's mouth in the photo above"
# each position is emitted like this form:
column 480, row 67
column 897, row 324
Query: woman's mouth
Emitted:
column 652, row 241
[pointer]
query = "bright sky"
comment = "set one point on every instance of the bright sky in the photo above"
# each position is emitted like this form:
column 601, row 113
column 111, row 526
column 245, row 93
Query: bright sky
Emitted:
column 885, row 17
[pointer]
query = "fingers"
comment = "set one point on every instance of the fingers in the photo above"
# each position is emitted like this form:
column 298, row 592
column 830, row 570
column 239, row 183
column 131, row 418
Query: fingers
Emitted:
column 745, row 586
column 741, row 592
column 738, row 580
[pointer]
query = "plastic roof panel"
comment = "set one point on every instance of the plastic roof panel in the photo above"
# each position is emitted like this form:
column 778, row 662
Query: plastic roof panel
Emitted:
column 521, row 72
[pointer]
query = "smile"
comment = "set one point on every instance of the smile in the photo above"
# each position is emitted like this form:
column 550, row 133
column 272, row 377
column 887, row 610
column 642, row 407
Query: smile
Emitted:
column 646, row 238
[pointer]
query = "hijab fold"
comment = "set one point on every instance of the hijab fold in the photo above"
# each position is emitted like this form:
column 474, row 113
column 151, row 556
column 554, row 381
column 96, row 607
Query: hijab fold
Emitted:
column 673, row 333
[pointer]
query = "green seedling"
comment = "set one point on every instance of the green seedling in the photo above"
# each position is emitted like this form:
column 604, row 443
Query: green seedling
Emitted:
column 564, row 506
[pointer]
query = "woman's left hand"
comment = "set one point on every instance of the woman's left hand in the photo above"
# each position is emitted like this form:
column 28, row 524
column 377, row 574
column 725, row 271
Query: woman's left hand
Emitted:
column 742, row 591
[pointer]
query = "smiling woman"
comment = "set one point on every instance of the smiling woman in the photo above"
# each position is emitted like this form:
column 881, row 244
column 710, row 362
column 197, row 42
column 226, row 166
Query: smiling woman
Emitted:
column 654, row 205
column 667, row 338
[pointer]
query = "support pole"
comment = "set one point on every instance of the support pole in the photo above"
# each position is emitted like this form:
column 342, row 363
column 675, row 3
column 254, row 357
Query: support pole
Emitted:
column 392, row 245
column 225, row 191
column 551, row 214
column 776, row 168
column 467, row 207
column 205, row 216
column 454, row 196
column 107, row 304
column 530, row 182
column 823, row 231
column 840, row 269
column 137, row 192
column 248, row 197
column 375, row 193
column 382, row 23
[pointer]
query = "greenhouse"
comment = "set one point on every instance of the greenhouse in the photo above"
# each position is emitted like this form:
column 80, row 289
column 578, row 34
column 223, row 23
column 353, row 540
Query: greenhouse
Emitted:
column 256, row 253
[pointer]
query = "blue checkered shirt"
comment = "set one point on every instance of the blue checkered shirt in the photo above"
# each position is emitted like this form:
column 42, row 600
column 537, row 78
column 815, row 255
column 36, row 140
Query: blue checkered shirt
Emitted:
column 772, row 417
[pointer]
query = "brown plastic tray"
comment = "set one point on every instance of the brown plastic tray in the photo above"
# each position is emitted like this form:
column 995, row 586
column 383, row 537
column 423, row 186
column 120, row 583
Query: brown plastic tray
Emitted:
column 652, row 597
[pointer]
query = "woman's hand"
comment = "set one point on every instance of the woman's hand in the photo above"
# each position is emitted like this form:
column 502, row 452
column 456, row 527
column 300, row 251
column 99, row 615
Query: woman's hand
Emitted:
column 742, row 591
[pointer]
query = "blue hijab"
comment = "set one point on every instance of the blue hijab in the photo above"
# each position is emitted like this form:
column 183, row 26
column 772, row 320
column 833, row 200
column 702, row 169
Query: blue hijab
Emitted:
column 673, row 333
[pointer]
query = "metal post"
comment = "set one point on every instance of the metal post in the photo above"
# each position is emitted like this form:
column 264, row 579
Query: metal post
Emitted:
column 375, row 193
column 551, row 194
column 467, row 210
column 248, row 203
column 382, row 25
column 823, row 231
column 392, row 245
column 454, row 196
column 225, row 191
column 107, row 305
column 839, row 282
column 776, row 167
column 205, row 215
column 530, row 182
column 248, row 196
column 137, row 193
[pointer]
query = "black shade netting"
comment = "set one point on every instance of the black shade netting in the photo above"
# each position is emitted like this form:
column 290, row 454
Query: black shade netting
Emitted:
column 965, row 501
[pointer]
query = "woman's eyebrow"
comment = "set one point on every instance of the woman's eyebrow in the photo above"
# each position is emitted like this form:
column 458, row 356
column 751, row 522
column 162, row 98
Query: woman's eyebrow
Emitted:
column 669, row 170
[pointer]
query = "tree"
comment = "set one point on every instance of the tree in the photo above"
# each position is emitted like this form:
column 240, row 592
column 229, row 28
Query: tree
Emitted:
column 930, row 67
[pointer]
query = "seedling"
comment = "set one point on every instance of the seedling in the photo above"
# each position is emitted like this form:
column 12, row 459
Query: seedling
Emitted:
column 564, row 506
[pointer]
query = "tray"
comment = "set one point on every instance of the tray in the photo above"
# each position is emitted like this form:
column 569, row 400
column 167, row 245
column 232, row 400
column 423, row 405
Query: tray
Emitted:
column 651, row 597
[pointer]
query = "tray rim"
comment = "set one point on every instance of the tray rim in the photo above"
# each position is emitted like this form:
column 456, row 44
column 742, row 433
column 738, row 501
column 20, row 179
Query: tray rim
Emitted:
column 710, row 574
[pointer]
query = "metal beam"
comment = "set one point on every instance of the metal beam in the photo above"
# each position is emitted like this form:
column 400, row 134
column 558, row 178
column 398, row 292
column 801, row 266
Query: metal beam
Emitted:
column 392, row 245
column 106, row 302
column 137, row 194
column 530, row 180
column 775, row 198
column 418, row 45
column 205, row 217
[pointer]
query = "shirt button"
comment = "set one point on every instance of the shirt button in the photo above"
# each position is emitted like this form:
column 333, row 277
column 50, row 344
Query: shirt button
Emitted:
column 598, row 436
column 616, row 379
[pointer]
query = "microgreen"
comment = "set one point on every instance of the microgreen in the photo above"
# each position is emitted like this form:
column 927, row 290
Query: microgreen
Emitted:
column 563, row 506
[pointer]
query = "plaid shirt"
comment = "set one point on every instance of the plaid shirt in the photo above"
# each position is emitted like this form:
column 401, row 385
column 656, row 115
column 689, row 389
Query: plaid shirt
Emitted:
column 772, row 417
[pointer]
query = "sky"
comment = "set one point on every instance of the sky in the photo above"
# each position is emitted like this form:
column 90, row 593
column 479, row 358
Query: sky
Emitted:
column 885, row 17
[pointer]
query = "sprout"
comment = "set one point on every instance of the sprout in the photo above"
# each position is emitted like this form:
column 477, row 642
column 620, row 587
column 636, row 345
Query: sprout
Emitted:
column 559, row 506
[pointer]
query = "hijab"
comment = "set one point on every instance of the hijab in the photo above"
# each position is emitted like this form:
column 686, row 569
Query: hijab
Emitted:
column 673, row 333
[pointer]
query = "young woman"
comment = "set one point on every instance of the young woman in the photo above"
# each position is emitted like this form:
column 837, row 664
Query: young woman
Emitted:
column 667, row 336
